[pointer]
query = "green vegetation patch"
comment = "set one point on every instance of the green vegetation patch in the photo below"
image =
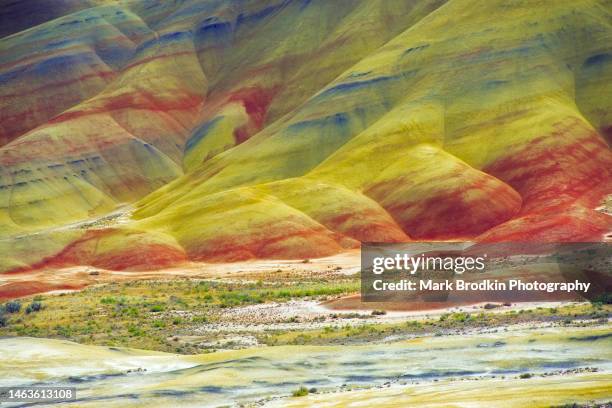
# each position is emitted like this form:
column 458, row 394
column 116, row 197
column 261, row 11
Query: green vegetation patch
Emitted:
column 148, row 314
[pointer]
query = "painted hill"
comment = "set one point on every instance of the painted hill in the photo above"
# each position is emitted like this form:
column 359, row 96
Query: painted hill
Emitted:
column 294, row 129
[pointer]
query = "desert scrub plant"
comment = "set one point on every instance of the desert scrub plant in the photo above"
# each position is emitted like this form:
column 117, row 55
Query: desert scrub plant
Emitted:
column 12, row 307
column 157, row 308
column 460, row 317
column 109, row 300
column 200, row 319
column 414, row 324
column 63, row 331
column 33, row 307
column 132, row 312
column 603, row 299
column 135, row 331
column 300, row 392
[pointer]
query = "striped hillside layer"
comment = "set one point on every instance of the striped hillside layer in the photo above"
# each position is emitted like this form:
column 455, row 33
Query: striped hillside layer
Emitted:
column 299, row 128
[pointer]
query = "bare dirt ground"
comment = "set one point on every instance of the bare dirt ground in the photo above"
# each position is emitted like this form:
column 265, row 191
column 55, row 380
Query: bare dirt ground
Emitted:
column 237, row 327
column 75, row 278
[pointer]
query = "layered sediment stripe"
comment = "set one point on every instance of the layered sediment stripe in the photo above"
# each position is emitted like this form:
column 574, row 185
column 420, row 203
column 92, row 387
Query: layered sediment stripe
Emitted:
column 292, row 129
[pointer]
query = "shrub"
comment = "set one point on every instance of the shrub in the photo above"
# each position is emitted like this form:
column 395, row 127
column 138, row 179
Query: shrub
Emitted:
column 131, row 311
column 134, row 331
column 157, row 308
column 200, row 319
column 12, row 307
column 3, row 320
column 300, row 392
column 379, row 312
column 460, row 317
column 64, row 331
column 33, row 307
column 525, row 376
column 603, row 299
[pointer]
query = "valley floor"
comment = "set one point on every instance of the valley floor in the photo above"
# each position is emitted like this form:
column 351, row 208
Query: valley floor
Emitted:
column 281, row 335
